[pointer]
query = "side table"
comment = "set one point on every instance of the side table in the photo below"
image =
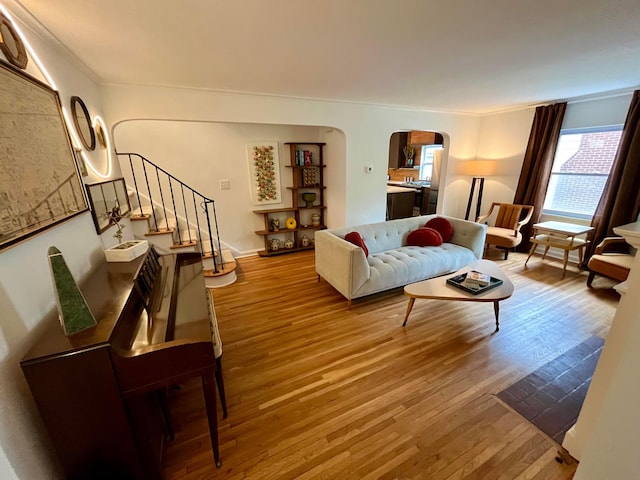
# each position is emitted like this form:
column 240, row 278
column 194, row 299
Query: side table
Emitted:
column 559, row 235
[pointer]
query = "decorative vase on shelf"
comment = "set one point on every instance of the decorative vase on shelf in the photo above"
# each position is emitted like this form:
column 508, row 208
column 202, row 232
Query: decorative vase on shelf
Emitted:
column 275, row 244
column 304, row 241
column 309, row 197
column 315, row 219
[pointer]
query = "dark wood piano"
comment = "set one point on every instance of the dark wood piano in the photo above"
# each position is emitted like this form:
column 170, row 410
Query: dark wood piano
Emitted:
column 101, row 392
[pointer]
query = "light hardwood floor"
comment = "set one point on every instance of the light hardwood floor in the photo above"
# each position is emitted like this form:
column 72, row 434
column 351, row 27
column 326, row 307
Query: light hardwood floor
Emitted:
column 319, row 391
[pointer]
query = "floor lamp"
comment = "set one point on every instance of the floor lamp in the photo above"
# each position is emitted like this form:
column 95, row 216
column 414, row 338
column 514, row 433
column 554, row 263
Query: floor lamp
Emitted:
column 478, row 169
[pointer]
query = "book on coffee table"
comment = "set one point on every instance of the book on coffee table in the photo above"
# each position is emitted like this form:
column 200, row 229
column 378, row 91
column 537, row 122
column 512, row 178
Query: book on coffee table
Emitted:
column 477, row 279
column 473, row 283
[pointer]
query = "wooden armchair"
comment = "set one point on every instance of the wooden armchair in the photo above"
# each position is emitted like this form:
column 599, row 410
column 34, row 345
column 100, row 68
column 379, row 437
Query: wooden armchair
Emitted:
column 505, row 233
column 611, row 258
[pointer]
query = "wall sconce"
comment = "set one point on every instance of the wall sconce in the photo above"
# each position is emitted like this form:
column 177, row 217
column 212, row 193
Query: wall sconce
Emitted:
column 478, row 169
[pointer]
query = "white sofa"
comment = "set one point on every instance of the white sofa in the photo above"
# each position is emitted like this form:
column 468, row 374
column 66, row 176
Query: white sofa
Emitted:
column 391, row 263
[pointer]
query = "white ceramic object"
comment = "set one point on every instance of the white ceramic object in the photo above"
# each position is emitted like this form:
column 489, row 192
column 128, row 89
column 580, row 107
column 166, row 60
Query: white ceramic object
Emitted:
column 126, row 251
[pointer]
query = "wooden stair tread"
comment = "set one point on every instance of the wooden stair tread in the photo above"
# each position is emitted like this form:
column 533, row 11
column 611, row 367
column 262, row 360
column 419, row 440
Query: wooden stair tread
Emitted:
column 160, row 232
column 184, row 244
column 228, row 268
column 137, row 218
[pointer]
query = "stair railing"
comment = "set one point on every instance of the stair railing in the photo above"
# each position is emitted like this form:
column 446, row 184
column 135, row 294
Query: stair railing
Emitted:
column 153, row 182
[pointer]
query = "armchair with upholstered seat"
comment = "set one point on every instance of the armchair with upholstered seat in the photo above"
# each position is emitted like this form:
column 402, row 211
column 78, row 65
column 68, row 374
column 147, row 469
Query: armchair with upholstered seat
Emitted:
column 505, row 233
column 612, row 258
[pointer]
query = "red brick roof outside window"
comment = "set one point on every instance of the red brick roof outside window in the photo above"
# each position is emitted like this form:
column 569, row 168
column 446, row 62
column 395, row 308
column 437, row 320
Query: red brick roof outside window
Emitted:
column 581, row 167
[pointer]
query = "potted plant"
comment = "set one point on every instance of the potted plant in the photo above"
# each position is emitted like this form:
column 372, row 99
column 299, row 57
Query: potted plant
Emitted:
column 127, row 251
column 115, row 217
column 409, row 153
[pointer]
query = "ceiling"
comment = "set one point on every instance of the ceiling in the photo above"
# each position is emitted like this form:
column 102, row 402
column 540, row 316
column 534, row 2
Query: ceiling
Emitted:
column 456, row 55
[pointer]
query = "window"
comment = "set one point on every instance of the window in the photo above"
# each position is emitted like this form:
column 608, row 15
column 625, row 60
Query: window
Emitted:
column 580, row 169
column 426, row 161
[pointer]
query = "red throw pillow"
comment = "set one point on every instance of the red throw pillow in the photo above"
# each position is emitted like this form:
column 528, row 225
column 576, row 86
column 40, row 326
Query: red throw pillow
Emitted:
column 443, row 226
column 424, row 237
column 356, row 239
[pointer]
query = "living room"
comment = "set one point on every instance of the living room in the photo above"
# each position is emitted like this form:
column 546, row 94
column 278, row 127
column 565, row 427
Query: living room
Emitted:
column 200, row 135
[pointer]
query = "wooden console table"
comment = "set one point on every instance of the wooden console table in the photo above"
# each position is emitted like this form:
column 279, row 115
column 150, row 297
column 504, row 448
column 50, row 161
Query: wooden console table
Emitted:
column 559, row 235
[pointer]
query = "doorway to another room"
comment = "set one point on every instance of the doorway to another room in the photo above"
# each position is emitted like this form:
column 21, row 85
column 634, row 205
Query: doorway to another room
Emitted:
column 413, row 175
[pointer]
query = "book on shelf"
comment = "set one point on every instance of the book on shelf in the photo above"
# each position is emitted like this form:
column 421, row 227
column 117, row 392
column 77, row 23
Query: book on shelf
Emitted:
column 304, row 157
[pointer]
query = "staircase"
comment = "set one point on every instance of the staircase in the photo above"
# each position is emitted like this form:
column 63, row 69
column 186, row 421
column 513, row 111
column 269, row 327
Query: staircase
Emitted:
column 175, row 218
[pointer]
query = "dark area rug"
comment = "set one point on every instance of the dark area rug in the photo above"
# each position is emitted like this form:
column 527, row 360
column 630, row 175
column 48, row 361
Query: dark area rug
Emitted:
column 551, row 397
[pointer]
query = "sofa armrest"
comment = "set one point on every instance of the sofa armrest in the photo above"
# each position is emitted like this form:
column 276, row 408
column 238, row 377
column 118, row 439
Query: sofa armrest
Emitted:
column 468, row 234
column 340, row 263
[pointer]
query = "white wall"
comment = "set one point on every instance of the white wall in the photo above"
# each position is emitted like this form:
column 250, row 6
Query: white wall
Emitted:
column 205, row 152
column 357, row 197
column 606, row 438
column 26, row 291
column 503, row 138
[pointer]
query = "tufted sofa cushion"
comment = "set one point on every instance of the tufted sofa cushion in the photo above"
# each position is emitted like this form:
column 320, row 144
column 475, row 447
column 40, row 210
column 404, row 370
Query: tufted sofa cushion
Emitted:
column 400, row 266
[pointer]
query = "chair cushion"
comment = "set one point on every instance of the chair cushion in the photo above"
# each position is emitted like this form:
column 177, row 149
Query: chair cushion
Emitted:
column 508, row 216
column 613, row 265
column 442, row 226
column 424, row 237
column 356, row 239
column 503, row 237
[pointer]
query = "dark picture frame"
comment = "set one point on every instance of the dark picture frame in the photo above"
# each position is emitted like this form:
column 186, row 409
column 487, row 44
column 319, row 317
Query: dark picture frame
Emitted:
column 103, row 197
column 40, row 185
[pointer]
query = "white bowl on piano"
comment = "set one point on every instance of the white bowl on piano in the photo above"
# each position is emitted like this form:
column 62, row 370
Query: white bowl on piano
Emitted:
column 126, row 251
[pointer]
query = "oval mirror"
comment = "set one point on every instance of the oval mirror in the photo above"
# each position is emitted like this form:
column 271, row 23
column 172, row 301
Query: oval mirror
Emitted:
column 11, row 44
column 82, row 122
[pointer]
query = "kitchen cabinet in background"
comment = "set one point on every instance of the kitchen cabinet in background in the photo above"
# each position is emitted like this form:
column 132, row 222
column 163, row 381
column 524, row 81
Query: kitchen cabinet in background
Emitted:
column 396, row 145
column 400, row 202
column 429, row 201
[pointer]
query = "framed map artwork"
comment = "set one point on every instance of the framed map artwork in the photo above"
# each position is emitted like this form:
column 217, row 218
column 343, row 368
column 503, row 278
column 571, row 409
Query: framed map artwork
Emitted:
column 40, row 184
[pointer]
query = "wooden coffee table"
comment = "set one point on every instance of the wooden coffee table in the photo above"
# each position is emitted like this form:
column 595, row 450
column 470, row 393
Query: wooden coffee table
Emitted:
column 438, row 289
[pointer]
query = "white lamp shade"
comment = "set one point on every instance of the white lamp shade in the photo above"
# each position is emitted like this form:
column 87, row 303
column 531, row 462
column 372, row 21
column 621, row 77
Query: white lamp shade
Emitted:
column 478, row 168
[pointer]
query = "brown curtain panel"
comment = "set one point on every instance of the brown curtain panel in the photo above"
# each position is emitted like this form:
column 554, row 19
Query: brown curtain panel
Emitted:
column 538, row 161
column 620, row 201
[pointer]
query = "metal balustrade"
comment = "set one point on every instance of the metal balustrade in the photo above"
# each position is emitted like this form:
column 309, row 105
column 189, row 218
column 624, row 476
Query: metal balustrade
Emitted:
column 167, row 194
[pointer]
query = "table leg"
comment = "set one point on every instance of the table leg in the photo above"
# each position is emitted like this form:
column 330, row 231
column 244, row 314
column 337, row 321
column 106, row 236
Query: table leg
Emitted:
column 546, row 249
column 580, row 255
column 496, row 310
column 208, row 389
column 564, row 263
column 533, row 249
column 409, row 307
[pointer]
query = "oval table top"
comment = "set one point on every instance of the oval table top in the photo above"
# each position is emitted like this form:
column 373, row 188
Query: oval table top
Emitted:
column 437, row 288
